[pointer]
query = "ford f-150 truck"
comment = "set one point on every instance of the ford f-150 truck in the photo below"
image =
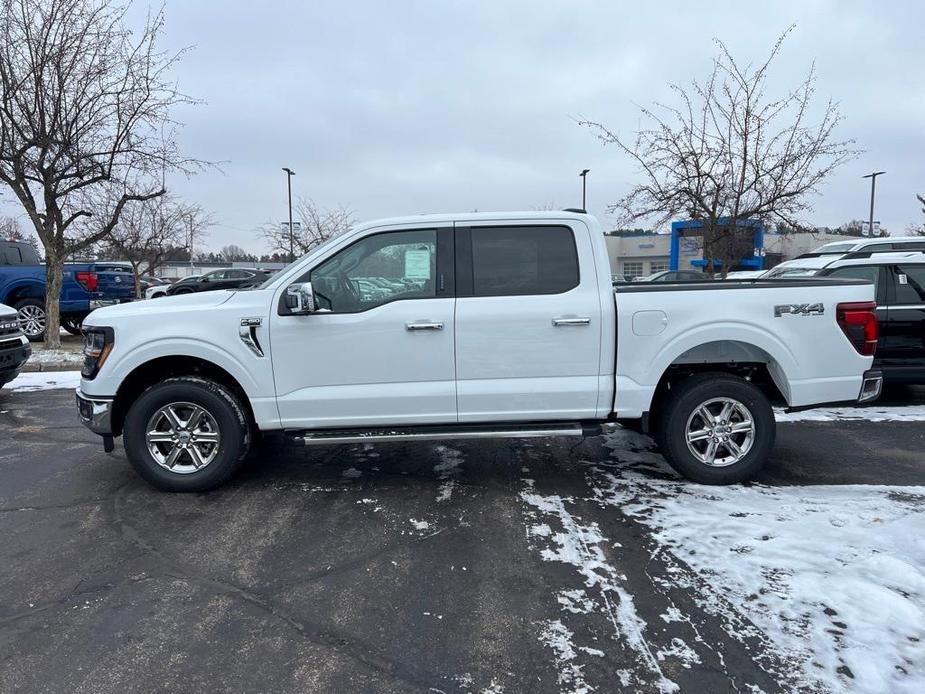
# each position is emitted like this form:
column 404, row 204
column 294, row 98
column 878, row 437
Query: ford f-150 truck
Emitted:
column 85, row 286
column 473, row 325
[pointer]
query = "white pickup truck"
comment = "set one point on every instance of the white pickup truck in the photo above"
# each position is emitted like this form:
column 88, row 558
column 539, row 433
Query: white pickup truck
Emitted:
column 470, row 325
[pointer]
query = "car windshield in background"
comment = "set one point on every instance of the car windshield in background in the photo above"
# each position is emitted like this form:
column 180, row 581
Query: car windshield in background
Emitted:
column 791, row 273
column 838, row 247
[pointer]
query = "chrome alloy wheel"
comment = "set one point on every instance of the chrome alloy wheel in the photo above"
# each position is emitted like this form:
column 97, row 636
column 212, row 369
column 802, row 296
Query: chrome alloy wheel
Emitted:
column 32, row 320
column 720, row 432
column 182, row 437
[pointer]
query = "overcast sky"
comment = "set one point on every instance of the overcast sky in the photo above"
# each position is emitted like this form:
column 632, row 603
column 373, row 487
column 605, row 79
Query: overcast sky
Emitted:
column 396, row 108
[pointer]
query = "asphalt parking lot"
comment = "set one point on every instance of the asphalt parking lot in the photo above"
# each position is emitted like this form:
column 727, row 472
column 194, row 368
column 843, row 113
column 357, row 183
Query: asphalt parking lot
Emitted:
column 512, row 566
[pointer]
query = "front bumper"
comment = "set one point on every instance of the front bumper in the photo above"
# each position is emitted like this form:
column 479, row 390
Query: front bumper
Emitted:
column 95, row 413
column 871, row 386
column 14, row 353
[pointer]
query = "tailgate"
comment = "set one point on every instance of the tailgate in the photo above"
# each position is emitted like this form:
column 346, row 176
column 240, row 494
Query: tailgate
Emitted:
column 113, row 281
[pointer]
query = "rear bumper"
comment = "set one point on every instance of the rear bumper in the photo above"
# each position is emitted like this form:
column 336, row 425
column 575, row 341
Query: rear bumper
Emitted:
column 871, row 386
column 95, row 413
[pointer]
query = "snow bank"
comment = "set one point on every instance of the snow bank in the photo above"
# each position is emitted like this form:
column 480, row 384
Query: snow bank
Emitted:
column 43, row 380
column 871, row 413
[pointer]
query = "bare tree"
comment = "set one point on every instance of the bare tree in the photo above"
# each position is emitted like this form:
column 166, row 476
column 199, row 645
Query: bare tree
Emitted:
column 918, row 229
column 318, row 225
column 85, row 126
column 152, row 232
column 10, row 230
column 233, row 252
column 727, row 152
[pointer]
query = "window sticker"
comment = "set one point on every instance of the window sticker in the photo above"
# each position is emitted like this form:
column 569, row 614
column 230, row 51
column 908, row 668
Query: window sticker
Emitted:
column 417, row 264
column 903, row 279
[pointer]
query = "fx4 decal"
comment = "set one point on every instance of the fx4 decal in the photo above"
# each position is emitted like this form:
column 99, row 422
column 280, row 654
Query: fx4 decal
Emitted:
column 799, row 310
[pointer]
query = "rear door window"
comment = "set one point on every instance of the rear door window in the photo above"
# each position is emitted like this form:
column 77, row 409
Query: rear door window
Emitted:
column 909, row 284
column 523, row 260
column 861, row 272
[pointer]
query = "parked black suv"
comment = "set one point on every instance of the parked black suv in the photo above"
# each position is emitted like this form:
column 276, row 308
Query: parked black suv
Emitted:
column 226, row 278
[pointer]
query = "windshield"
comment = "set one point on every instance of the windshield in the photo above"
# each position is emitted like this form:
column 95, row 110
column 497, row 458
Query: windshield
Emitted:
column 276, row 273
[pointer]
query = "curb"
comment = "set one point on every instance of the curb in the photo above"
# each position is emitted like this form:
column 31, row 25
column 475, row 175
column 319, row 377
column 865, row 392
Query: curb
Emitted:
column 54, row 366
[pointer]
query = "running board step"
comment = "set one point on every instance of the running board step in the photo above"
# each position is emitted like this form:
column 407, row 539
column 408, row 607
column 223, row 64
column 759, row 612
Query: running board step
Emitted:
column 446, row 432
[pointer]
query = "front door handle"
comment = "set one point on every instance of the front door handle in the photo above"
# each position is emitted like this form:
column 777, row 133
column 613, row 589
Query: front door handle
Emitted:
column 560, row 322
column 424, row 325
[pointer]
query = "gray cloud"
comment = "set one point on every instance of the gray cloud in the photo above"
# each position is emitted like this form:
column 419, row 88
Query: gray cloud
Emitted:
column 407, row 107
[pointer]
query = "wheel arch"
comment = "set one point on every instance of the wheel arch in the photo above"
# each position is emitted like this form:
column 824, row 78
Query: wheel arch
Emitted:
column 740, row 358
column 23, row 290
column 158, row 369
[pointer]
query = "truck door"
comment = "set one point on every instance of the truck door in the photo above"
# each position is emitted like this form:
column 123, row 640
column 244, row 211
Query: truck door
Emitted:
column 380, row 351
column 528, row 322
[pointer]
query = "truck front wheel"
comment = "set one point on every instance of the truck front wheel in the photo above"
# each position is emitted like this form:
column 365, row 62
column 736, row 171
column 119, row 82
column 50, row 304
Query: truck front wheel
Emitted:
column 716, row 428
column 186, row 434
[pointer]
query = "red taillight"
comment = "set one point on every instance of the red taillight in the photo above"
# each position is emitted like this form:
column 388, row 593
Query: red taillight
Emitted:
column 87, row 280
column 858, row 320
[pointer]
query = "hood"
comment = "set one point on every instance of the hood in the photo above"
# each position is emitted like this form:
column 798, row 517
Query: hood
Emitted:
column 161, row 306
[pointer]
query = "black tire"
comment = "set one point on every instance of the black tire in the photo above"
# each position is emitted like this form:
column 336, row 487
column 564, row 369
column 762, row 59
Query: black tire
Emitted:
column 32, row 318
column 73, row 325
column 679, row 407
column 227, row 413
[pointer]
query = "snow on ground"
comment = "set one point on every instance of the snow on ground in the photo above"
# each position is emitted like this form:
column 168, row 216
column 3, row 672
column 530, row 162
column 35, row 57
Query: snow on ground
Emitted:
column 43, row 380
column 833, row 576
column 871, row 413
column 583, row 547
column 56, row 356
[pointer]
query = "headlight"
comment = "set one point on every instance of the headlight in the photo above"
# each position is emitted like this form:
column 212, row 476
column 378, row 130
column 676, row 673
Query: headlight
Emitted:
column 97, row 346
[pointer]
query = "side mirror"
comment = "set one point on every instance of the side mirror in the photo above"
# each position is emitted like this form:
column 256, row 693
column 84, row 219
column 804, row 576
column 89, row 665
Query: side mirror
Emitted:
column 300, row 299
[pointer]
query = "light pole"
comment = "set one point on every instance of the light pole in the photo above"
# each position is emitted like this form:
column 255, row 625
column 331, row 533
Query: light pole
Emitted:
column 289, row 174
column 873, row 186
column 584, row 186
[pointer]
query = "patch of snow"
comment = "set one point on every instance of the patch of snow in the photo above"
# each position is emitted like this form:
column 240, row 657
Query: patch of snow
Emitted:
column 680, row 650
column 56, row 356
column 559, row 638
column 832, row 577
column 575, row 601
column 872, row 413
column 672, row 614
column 44, row 380
column 419, row 525
column 447, row 470
column 581, row 546
column 351, row 473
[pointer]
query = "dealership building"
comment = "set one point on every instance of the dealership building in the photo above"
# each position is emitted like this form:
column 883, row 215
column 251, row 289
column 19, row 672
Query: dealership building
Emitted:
column 636, row 254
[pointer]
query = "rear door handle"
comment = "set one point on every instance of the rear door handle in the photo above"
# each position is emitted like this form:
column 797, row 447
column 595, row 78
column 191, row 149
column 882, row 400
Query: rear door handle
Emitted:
column 424, row 325
column 561, row 322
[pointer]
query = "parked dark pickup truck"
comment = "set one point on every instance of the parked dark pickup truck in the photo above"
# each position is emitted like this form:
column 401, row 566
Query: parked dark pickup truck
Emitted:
column 86, row 286
column 14, row 349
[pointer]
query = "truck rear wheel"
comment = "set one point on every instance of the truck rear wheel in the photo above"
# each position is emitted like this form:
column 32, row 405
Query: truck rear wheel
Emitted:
column 186, row 434
column 32, row 318
column 716, row 428
column 73, row 325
